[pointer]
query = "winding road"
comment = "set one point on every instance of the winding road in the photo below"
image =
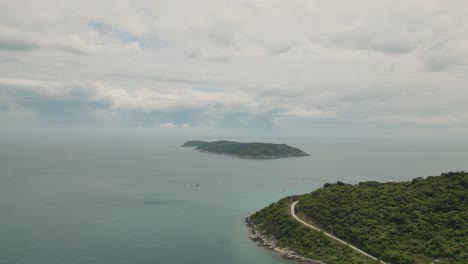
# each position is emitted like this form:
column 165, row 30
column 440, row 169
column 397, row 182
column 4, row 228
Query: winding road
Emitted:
column 293, row 214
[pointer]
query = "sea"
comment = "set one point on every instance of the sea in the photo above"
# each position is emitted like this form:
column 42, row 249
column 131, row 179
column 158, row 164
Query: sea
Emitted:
column 146, row 200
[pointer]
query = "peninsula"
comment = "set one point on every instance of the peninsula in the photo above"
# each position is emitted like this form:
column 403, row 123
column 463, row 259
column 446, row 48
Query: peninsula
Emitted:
column 247, row 150
column 415, row 222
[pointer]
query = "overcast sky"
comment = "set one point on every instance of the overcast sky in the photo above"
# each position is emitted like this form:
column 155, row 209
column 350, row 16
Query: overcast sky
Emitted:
column 385, row 69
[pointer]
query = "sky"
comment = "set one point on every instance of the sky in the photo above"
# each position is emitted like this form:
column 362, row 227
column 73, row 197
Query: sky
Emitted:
column 269, row 68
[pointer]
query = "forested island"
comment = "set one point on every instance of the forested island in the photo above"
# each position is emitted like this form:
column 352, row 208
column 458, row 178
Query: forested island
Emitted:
column 247, row 150
column 194, row 143
column 420, row 221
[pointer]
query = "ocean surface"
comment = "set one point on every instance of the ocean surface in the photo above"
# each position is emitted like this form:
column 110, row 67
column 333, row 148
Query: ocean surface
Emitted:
column 147, row 200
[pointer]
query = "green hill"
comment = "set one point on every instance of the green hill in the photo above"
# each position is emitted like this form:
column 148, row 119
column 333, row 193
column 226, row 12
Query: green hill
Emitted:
column 247, row 150
column 194, row 143
column 400, row 222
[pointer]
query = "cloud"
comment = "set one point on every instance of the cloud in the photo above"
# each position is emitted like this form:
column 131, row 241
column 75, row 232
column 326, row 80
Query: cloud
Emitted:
column 445, row 56
column 51, row 105
column 12, row 40
column 381, row 42
column 108, row 30
column 266, row 66
column 17, row 45
column 170, row 125
column 446, row 119
column 441, row 62
column 167, row 125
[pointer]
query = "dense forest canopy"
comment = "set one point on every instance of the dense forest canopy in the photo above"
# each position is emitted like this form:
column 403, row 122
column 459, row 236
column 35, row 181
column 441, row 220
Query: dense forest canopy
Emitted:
column 247, row 150
column 275, row 221
column 400, row 222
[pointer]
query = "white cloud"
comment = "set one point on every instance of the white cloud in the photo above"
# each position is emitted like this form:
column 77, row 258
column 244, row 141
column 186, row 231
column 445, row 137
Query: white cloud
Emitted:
column 372, row 62
column 168, row 125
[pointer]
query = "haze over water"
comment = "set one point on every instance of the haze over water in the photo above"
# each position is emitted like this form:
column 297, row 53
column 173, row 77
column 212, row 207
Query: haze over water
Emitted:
column 147, row 200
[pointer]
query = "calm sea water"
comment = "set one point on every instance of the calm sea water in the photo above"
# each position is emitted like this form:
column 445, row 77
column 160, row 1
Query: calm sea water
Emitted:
column 127, row 200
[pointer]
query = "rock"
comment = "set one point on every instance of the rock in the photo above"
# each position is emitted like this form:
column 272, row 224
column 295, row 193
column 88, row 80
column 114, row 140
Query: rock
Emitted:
column 271, row 244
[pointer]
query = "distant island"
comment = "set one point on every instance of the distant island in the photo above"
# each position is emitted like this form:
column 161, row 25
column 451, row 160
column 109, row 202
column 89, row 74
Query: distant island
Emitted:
column 194, row 143
column 247, row 150
column 415, row 222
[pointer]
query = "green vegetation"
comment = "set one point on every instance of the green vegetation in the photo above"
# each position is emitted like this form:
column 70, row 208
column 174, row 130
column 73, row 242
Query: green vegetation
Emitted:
column 400, row 222
column 276, row 221
column 194, row 143
column 248, row 150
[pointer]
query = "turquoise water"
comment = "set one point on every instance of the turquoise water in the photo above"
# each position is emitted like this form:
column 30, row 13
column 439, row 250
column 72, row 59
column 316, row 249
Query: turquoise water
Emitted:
column 128, row 200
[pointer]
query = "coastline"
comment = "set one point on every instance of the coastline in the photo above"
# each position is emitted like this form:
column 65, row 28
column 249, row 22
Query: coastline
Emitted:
column 253, row 157
column 270, row 243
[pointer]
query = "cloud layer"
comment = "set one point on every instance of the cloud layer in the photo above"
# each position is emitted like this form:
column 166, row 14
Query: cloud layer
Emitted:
column 296, row 68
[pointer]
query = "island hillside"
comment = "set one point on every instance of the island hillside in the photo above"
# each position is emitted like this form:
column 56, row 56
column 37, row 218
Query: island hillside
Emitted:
column 194, row 143
column 399, row 222
column 247, row 150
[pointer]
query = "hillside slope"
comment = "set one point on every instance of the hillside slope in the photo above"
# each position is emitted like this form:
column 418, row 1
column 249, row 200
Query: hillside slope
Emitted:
column 248, row 150
column 400, row 222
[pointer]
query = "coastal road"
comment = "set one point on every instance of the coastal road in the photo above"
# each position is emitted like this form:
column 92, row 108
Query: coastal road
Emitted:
column 293, row 214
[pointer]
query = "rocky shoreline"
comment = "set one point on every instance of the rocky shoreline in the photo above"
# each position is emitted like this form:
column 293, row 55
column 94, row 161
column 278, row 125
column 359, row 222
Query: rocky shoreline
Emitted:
column 270, row 243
